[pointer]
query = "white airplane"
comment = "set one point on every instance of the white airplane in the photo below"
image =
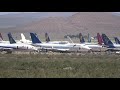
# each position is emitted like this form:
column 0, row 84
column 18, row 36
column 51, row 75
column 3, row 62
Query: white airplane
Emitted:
column 24, row 40
column 16, row 46
column 110, row 46
column 82, row 40
column 95, row 46
column 62, row 47
column 48, row 40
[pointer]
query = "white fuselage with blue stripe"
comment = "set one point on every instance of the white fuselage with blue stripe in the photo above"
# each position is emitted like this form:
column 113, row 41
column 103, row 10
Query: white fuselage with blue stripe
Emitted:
column 17, row 46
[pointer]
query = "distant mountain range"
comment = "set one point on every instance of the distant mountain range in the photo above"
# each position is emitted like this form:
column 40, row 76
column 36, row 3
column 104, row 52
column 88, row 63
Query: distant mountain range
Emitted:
column 18, row 19
column 74, row 23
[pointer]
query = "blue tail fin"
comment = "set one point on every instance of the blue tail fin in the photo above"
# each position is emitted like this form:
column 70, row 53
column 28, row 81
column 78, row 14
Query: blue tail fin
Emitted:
column 47, row 37
column 34, row 38
column 117, row 41
column 107, row 41
column 89, row 39
column 81, row 38
column 11, row 40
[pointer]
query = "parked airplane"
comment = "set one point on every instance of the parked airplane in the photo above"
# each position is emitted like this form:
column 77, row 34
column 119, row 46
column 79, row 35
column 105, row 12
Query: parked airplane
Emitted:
column 117, row 41
column 24, row 40
column 89, row 38
column 14, row 46
column 1, row 39
column 60, row 47
column 82, row 40
column 111, row 46
column 99, row 38
column 95, row 46
column 48, row 40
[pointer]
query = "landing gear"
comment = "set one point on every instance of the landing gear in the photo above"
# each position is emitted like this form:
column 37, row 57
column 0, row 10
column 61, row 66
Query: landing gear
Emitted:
column 90, row 51
column 109, row 51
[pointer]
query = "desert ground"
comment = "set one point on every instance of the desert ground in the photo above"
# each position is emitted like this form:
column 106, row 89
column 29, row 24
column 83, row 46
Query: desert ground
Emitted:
column 59, row 66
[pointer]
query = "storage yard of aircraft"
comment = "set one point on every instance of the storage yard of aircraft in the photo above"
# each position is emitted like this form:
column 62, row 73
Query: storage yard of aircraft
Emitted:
column 35, row 45
column 84, row 44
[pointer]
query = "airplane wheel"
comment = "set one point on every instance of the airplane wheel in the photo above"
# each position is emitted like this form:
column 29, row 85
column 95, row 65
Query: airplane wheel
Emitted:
column 90, row 51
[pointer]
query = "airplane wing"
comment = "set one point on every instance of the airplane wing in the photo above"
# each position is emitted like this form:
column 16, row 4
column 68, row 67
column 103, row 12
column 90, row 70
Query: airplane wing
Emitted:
column 54, row 49
column 59, row 50
column 62, row 49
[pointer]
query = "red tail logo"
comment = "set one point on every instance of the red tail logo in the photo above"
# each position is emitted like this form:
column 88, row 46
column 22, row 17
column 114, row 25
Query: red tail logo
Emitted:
column 100, row 41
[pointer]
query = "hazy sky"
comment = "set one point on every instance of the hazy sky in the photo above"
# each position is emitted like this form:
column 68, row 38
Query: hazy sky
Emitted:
column 49, row 13
column 3, row 13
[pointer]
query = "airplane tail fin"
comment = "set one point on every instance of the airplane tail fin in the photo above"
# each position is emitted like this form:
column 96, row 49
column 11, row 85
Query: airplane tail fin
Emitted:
column 47, row 37
column 35, row 38
column 89, row 39
column 11, row 40
column 1, row 37
column 100, row 40
column 23, row 37
column 106, row 40
column 117, row 41
column 81, row 38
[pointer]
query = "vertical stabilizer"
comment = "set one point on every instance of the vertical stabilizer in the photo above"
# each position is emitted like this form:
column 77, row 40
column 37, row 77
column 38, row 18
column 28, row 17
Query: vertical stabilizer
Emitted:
column 107, row 41
column 47, row 38
column 81, row 38
column 89, row 38
column 11, row 40
column 117, row 41
column 35, row 38
column 23, row 37
column 100, row 40
column 1, row 38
